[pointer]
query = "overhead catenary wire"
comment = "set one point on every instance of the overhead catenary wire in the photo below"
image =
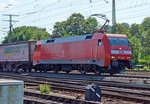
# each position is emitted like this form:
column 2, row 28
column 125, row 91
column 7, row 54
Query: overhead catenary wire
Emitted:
column 25, row 18
column 55, row 14
column 80, row 9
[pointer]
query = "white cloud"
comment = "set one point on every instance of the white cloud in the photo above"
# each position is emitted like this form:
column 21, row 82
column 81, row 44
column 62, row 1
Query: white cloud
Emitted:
column 3, row 6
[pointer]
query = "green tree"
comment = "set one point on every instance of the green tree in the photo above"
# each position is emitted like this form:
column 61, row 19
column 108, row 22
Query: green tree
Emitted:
column 136, row 48
column 140, row 41
column 145, row 24
column 145, row 43
column 26, row 33
column 144, row 35
column 59, row 28
column 134, row 29
column 75, row 25
column 126, row 25
column 91, row 25
column 120, row 29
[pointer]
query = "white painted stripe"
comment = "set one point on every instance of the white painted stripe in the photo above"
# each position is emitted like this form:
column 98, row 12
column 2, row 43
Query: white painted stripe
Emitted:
column 98, row 95
column 92, row 89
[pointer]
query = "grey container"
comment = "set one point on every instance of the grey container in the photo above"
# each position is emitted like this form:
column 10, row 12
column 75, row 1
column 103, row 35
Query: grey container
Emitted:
column 22, row 51
column 11, row 92
column 16, row 55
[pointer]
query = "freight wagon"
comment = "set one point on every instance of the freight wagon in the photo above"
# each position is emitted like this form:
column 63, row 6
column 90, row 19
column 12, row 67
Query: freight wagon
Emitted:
column 17, row 55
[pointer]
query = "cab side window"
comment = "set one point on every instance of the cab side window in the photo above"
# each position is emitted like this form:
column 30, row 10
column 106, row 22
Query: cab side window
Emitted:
column 100, row 42
column 35, row 47
column 38, row 47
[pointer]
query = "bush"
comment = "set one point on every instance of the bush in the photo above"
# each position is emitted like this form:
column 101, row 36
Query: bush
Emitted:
column 44, row 88
column 145, row 68
column 140, row 67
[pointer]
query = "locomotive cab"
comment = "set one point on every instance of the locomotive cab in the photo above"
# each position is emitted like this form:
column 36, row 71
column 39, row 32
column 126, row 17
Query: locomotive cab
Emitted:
column 36, row 55
column 121, row 54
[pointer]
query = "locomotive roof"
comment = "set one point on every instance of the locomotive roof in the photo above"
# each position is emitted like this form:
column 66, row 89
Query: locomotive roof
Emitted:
column 76, row 38
column 68, row 39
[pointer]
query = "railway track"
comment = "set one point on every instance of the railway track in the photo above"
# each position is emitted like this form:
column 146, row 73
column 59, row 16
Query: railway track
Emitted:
column 79, row 86
column 115, row 78
column 111, row 92
column 91, row 75
column 106, row 91
column 51, row 99
column 29, row 78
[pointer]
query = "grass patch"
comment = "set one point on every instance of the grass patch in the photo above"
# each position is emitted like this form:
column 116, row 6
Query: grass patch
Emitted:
column 44, row 88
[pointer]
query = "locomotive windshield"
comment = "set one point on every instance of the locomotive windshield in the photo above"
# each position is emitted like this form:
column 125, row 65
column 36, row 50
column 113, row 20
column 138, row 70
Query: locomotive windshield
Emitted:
column 118, row 41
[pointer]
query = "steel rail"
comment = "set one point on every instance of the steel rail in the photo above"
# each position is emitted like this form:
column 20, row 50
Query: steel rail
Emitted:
column 58, row 98
column 78, row 86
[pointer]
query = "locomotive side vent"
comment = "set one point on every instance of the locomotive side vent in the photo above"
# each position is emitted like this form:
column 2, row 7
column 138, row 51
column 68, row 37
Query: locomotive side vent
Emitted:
column 88, row 37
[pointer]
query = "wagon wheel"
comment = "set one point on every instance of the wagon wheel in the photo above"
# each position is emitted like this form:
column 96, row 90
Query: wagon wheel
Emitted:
column 24, row 70
column 18, row 70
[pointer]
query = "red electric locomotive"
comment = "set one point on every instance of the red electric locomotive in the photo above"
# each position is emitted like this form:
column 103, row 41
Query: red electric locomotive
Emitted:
column 99, row 53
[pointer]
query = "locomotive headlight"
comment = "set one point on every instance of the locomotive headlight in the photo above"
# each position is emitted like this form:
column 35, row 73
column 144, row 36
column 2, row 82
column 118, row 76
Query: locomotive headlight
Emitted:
column 114, row 52
column 113, row 57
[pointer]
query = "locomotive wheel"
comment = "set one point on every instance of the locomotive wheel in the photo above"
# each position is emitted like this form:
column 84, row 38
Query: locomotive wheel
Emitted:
column 25, row 70
column 41, row 70
column 30, row 70
column 111, row 73
column 35, row 70
column 97, row 71
column 1, row 69
column 45, row 70
column 67, row 71
column 82, row 70
column 56, row 69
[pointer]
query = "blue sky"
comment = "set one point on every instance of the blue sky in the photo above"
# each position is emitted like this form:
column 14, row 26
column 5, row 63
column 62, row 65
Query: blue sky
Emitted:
column 44, row 13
